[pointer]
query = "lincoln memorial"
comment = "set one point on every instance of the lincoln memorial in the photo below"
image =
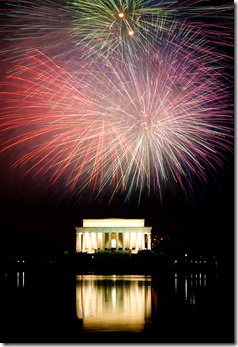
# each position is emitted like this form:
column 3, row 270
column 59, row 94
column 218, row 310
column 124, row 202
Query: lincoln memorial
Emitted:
column 113, row 233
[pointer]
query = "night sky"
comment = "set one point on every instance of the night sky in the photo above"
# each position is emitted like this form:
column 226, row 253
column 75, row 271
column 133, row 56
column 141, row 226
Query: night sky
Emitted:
column 202, row 220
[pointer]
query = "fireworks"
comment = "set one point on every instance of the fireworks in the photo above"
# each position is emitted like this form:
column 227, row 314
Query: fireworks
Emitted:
column 97, row 29
column 109, row 26
column 122, row 127
column 116, row 97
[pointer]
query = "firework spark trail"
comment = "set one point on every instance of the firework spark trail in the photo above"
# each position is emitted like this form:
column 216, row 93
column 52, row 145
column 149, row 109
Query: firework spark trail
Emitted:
column 55, row 133
column 124, row 127
column 39, row 24
column 96, row 29
column 140, row 24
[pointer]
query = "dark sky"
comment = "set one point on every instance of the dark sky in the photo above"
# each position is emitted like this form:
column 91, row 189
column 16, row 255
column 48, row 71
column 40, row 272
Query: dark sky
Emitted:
column 204, row 219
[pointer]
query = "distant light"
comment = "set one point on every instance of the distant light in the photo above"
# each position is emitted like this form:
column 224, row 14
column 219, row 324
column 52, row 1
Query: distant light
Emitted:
column 120, row 14
column 131, row 32
column 185, row 255
column 175, row 261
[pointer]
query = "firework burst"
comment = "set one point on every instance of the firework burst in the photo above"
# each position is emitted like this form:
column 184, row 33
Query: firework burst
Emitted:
column 78, row 29
column 134, row 25
column 122, row 127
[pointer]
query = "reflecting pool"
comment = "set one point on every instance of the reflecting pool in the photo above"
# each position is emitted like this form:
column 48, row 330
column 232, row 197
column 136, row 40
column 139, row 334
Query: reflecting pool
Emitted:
column 56, row 307
column 114, row 303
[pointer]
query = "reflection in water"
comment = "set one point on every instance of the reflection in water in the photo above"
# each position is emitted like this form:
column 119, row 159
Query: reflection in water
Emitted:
column 192, row 283
column 20, row 279
column 186, row 288
column 113, row 303
column 175, row 282
column 159, row 308
column 129, row 303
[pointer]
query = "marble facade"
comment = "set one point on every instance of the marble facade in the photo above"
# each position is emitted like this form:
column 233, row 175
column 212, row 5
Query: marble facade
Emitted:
column 113, row 233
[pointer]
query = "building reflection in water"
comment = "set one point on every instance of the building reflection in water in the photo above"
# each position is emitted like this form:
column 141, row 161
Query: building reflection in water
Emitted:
column 175, row 282
column 186, row 288
column 21, row 279
column 113, row 303
column 193, row 283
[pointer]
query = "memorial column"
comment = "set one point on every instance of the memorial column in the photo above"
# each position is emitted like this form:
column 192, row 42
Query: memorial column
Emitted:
column 140, row 235
column 143, row 241
column 116, row 241
column 149, row 241
column 89, row 241
column 137, row 241
column 123, row 240
column 93, row 240
column 83, row 242
column 129, row 240
column 77, row 242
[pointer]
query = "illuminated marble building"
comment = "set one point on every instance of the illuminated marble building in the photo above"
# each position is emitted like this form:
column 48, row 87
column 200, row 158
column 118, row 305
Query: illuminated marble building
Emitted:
column 113, row 233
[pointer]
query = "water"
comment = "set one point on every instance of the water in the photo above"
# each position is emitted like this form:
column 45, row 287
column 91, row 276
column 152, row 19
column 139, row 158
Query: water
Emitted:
column 177, row 307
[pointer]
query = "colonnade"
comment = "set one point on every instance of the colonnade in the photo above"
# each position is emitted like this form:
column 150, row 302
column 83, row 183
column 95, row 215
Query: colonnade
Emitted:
column 91, row 241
